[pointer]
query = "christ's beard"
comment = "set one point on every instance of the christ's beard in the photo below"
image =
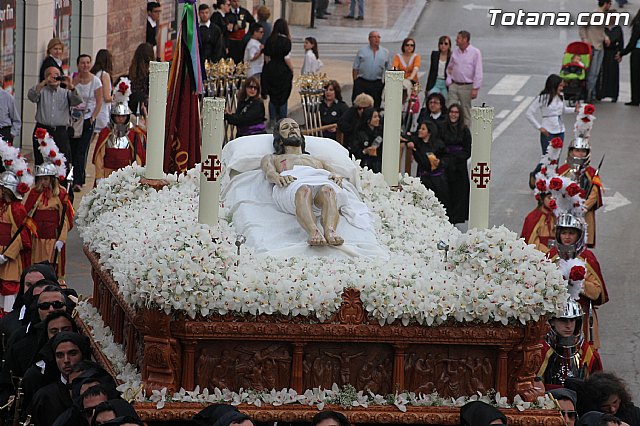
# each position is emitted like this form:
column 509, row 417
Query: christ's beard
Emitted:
column 293, row 140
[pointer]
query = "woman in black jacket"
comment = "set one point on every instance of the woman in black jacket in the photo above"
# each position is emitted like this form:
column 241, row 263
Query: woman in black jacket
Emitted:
column 368, row 141
column 249, row 116
column 277, row 73
column 438, row 69
column 430, row 154
column 457, row 139
column 332, row 108
column 633, row 47
column 55, row 48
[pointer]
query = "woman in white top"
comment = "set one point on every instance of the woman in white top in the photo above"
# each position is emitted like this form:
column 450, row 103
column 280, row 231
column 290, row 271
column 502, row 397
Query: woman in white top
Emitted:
column 102, row 68
column 253, row 52
column 312, row 62
column 90, row 88
column 550, row 104
column 438, row 68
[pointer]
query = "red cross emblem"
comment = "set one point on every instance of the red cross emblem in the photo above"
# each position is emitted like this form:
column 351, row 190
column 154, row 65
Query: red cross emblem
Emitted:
column 481, row 175
column 212, row 168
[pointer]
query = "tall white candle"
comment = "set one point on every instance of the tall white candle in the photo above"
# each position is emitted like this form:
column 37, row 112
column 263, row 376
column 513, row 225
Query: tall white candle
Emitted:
column 211, row 167
column 391, row 132
column 156, row 117
column 482, row 137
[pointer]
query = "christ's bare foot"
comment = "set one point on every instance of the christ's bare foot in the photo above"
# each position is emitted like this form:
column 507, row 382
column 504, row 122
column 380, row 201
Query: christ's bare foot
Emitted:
column 316, row 239
column 333, row 238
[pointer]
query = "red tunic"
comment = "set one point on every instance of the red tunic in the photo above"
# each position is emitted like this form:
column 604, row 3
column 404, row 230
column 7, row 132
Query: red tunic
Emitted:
column 594, row 291
column 592, row 202
column 107, row 160
column 539, row 228
column 47, row 218
column 10, row 220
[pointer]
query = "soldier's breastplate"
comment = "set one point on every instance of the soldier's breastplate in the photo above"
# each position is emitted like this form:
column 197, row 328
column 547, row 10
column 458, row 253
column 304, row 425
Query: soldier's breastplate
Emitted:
column 121, row 142
column 562, row 367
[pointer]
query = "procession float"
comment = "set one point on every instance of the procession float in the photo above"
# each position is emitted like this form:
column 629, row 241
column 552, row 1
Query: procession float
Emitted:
column 205, row 291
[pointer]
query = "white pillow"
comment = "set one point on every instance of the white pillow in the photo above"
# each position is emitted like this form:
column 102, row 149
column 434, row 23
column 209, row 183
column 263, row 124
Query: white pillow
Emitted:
column 245, row 153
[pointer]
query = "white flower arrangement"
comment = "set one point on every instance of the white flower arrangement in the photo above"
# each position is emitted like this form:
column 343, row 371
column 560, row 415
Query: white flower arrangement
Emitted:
column 161, row 257
column 347, row 397
column 14, row 162
column 103, row 337
column 51, row 153
column 574, row 272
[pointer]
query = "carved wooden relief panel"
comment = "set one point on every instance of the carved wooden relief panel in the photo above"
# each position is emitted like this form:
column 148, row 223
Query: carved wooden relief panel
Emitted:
column 452, row 371
column 365, row 366
column 248, row 365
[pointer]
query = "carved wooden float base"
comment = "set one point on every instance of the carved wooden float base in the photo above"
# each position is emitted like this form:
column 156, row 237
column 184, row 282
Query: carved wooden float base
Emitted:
column 371, row 415
column 273, row 352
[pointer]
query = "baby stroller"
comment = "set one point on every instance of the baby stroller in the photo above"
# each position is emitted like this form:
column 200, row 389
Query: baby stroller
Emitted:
column 575, row 66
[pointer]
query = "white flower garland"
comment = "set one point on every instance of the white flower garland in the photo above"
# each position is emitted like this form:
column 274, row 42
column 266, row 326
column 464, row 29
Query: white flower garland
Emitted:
column 103, row 337
column 161, row 257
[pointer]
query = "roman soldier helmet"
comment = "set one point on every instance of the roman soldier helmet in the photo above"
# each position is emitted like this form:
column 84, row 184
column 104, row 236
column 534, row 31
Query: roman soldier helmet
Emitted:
column 579, row 162
column 17, row 178
column 10, row 181
column 46, row 169
column 572, row 310
column 121, row 93
column 569, row 221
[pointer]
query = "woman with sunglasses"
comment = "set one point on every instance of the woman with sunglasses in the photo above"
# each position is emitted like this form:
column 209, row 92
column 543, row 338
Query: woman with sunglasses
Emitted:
column 408, row 61
column 438, row 69
column 249, row 117
column 457, row 139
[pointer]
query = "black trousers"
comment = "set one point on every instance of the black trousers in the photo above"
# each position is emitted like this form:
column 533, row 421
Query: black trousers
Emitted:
column 634, row 64
column 373, row 88
column 5, row 132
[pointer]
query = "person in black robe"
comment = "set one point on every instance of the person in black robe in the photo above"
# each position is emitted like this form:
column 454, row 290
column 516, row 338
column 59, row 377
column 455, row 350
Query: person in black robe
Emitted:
column 457, row 139
column 478, row 413
column 429, row 152
column 435, row 110
column 111, row 409
column 608, row 85
column 54, row 399
column 43, row 370
column 368, row 141
column 18, row 316
column 277, row 74
column 26, row 342
column 220, row 415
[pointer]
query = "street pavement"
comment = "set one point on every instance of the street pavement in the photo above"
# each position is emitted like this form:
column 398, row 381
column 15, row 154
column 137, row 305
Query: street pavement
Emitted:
column 516, row 64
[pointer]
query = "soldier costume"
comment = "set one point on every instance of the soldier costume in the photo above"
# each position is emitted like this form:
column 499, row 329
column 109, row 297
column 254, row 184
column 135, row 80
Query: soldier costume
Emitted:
column 571, row 356
column 120, row 144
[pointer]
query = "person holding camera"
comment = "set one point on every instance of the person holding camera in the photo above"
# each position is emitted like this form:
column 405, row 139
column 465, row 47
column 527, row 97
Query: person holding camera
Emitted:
column 54, row 97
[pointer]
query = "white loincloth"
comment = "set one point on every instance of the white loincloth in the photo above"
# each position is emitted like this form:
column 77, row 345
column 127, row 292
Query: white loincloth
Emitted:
column 350, row 207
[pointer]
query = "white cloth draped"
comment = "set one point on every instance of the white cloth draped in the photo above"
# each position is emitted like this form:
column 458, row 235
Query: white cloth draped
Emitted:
column 269, row 230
